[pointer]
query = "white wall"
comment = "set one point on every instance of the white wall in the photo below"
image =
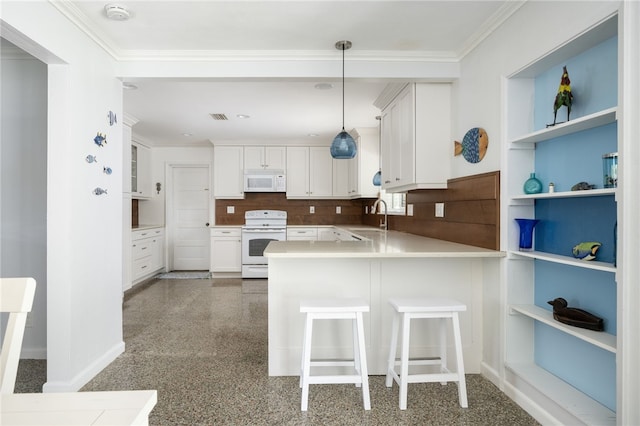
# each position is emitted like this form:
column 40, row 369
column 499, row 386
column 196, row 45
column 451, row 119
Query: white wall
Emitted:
column 84, row 238
column 23, row 185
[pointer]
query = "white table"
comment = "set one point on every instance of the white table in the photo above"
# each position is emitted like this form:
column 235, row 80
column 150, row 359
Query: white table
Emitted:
column 78, row 408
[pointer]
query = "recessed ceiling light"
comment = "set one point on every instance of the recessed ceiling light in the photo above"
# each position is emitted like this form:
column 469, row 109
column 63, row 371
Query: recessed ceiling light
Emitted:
column 241, row 116
column 323, row 86
column 313, row 135
column 187, row 134
column 116, row 12
column 129, row 86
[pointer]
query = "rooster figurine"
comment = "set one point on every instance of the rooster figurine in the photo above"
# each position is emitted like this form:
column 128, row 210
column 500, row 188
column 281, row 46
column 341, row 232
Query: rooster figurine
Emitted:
column 563, row 97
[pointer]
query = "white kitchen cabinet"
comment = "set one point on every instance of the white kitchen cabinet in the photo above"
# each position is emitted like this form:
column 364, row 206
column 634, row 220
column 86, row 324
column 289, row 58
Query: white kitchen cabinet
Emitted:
column 300, row 233
column 228, row 164
column 568, row 371
column 365, row 164
column 326, row 233
column 416, row 138
column 147, row 253
column 140, row 171
column 309, row 172
column 265, row 157
column 226, row 249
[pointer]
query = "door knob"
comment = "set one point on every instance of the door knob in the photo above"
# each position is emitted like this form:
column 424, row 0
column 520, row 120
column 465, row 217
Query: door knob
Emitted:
column 207, row 224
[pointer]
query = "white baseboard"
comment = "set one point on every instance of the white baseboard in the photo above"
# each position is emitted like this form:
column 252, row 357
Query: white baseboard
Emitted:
column 88, row 373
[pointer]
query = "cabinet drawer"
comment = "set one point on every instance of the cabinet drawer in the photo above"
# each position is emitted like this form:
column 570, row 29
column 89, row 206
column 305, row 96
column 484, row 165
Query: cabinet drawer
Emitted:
column 141, row 267
column 226, row 232
column 302, row 233
column 141, row 248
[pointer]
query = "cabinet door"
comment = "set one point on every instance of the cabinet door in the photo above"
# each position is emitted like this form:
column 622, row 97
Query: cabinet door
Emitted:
column 157, row 250
column 341, row 181
column 320, row 172
column 253, row 157
column 140, row 171
column 406, row 139
column 297, row 172
column 275, row 157
column 226, row 254
column 385, row 148
column 126, row 159
column 228, row 171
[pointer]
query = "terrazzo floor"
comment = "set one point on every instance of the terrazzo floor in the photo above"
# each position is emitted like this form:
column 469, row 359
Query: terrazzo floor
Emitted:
column 203, row 345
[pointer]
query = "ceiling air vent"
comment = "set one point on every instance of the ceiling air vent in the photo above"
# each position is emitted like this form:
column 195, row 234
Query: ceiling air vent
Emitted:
column 219, row 116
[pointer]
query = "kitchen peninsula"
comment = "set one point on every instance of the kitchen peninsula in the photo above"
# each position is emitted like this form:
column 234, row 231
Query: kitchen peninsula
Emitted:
column 381, row 265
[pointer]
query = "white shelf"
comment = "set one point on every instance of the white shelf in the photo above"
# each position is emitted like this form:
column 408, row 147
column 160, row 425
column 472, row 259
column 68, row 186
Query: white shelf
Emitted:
column 567, row 260
column 590, row 121
column 566, row 396
column 603, row 340
column 567, row 194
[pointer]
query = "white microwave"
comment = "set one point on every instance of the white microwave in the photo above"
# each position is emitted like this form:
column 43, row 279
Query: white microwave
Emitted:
column 265, row 181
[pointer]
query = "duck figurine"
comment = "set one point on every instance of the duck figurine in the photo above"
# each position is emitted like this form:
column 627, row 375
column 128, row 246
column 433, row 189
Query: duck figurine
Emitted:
column 575, row 316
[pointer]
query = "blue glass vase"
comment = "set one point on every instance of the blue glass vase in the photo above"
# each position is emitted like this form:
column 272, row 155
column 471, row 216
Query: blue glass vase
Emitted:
column 532, row 185
column 526, row 233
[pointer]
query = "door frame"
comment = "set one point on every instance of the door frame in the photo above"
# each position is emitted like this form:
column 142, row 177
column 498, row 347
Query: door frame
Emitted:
column 169, row 219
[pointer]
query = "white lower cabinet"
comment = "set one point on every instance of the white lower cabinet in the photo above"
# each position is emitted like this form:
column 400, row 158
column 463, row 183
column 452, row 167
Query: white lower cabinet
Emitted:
column 147, row 253
column 302, row 233
column 226, row 249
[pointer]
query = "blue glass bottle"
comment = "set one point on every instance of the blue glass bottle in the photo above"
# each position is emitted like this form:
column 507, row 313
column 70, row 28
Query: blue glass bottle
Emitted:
column 532, row 185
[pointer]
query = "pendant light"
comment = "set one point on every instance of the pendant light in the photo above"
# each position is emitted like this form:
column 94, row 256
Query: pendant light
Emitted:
column 343, row 145
column 377, row 178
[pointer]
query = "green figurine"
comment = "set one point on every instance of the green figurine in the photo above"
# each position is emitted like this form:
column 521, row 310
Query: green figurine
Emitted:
column 563, row 97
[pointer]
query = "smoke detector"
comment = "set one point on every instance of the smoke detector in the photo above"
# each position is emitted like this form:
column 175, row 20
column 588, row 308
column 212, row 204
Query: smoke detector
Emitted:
column 117, row 12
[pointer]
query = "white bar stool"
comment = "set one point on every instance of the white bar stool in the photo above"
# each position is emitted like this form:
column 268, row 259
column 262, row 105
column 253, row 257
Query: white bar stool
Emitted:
column 335, row 309
column 442, row 309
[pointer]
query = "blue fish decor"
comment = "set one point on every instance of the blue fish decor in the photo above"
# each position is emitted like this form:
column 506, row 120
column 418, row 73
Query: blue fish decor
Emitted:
column 473, row 146
column 100, row 139
column 586, row 250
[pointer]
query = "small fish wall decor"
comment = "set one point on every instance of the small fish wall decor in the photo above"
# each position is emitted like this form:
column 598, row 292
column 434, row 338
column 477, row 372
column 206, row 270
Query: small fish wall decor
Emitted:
column 107, row 170
column 91, row 159
column 473, row 146
column 111, row 116
column 100, row 139
column 99, row 191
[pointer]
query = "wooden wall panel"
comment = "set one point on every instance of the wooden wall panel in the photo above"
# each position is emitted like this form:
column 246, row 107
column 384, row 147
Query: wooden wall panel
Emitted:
column 297, row 210
column 471, row 211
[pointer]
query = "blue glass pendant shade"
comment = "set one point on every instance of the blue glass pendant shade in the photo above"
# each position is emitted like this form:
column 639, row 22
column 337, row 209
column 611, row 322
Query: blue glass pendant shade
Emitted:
column 377, row 178
column 343, row 146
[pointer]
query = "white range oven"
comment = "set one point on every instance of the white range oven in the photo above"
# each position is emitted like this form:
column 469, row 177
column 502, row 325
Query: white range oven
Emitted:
column 260, row 228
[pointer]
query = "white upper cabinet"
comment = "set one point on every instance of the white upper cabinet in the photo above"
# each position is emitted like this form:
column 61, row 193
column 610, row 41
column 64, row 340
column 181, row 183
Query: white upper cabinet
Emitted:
column 265, row 157
column 228, row 163
column 140, row 171
column 416, row 138
column 309, row 172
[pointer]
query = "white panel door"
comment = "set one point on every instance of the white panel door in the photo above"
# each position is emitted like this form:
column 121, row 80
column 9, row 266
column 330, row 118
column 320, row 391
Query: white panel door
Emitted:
column 190, row 207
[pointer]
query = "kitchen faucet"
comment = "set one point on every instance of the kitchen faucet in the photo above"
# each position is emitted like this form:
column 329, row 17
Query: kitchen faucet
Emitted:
column 375, row 208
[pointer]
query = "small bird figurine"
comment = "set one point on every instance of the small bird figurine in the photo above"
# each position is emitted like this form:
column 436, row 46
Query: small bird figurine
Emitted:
column 586, row 250
column 563, row 97
column 575, row 316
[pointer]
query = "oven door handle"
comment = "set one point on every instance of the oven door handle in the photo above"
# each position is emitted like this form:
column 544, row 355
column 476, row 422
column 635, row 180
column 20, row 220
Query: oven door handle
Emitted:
column 264, row 230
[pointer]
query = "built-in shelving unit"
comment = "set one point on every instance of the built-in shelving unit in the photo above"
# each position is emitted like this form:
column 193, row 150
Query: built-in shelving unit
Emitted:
column 541, row 351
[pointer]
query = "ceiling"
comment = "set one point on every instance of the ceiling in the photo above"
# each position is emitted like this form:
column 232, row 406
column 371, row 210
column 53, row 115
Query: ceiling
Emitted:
column 282, row 109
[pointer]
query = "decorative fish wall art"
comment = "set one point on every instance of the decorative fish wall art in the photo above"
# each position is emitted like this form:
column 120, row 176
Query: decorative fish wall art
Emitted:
column 473, row 146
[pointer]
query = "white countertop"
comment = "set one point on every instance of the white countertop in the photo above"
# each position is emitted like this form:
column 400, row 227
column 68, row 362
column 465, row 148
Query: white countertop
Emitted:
column 378, row 243
column 145, row 227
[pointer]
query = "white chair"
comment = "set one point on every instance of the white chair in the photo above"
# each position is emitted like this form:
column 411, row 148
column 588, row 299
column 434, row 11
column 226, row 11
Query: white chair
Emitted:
column 16, row 298
column 441, row 309
column 333, row 309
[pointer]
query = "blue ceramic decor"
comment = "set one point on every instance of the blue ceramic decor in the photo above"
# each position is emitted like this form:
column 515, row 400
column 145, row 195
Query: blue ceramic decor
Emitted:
column 526, row 233
column 532, row 185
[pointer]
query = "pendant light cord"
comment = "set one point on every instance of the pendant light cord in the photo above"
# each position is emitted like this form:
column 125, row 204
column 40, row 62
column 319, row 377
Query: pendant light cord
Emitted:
column 343, row 46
